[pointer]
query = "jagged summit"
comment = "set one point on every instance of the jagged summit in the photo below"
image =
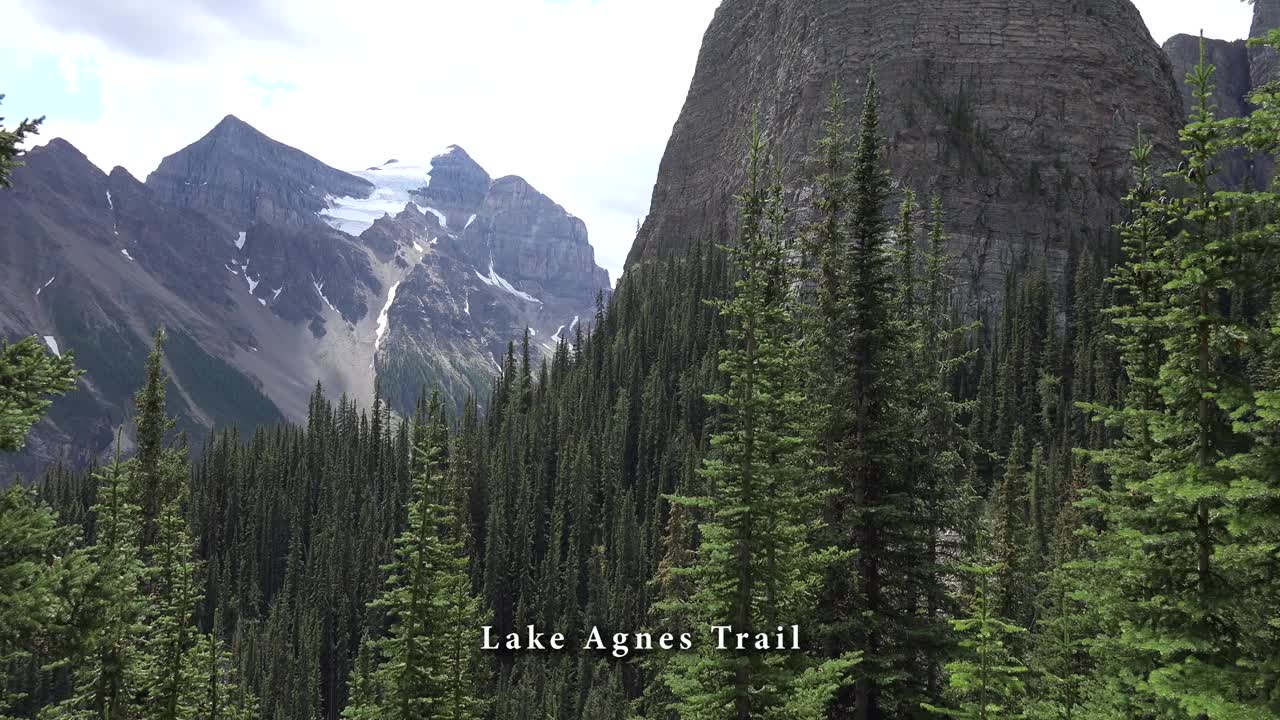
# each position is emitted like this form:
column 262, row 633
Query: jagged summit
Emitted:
column 58, row 144
column 60, row 166
column 59, row 151
column 273, row 270
column 237, row 172
column 230, row 124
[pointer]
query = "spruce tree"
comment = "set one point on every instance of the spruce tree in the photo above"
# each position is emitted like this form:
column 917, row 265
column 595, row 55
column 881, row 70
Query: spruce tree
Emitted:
column 44, row 575
column 873, row 508
column 9, row 141
column 152, row 485
column 1011, row 536
column 756, row 568
column 105, row 679
column 170, row 675
column 429, row 662
column 985, row 682
column 28, row 374
column 217, row 691
column 1180, row 584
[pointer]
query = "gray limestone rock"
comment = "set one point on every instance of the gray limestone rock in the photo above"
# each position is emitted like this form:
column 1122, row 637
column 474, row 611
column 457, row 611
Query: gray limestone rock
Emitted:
column 239, row 173
column 1019, row 113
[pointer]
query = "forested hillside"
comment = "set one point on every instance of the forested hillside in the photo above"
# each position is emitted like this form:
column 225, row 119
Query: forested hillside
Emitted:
column 1070, row 509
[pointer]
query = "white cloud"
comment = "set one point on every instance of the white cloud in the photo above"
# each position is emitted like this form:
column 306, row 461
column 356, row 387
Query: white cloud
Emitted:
column 1223, row 19
column 577, row 96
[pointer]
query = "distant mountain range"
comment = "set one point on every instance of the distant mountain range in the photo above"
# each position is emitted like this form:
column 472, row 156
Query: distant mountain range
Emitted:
column 272, row 271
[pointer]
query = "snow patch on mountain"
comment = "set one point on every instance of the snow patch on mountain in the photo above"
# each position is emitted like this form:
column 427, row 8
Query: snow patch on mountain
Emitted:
column 125, row 253
column 52, row 342
column 46, row 284
column 110, row 205
column 240, row 241
column 556, row 338
column 319, row 286
column 444, row 222
column 396, row 175
column 355, row 215
column 394, row 182
column 493, row 279
column 384, row 319
column 469, row 221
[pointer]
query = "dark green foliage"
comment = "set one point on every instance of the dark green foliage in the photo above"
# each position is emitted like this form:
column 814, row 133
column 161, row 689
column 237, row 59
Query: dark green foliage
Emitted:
column 9, row 141
column 42, row 574
column 883, row 347
column 221, row 392
column 1183, row 561
column 104, row 676
column 28, row 376
column 756, row 568
column 985, row 681
column 429, row 662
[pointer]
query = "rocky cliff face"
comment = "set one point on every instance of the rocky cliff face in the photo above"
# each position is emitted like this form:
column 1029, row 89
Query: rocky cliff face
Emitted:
column 535, row 240
column 457, row 186
column 1019, row 113
column 1233, row 79
column 238, row 172
column 1239, row 71
column 1233, row 83
column 93, row 263
column 469, row 264
column 1264, row 63
column 273, row 271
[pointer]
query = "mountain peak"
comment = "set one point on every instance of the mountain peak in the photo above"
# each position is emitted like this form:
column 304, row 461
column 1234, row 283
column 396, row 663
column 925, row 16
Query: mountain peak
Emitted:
column 454, row 155
column 240, row 173
column 231, row 123
column 61, row 155
column 59, row 145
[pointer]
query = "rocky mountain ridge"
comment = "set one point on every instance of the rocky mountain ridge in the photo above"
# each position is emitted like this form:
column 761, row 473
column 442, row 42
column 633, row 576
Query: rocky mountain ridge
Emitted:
column 273, row 271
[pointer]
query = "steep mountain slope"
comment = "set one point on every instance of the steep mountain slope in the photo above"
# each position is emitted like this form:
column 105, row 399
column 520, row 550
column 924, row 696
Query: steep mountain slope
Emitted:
column 1019, row 113
column 88, row 261
column 246, row 176
column 273, row 271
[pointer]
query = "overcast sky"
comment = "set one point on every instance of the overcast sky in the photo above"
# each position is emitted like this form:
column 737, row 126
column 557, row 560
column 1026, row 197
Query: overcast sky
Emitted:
column 577, row 96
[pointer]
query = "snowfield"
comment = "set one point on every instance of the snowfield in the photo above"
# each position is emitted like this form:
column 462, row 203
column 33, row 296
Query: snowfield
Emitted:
column 393, row 181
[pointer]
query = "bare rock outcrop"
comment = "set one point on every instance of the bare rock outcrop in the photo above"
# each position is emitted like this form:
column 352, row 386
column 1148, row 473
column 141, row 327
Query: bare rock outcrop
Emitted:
column 1020, row 114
